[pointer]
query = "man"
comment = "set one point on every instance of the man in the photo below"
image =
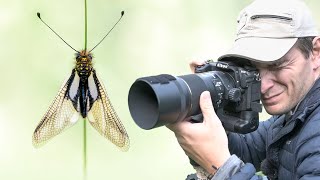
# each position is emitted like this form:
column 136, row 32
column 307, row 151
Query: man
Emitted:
column 281, row 40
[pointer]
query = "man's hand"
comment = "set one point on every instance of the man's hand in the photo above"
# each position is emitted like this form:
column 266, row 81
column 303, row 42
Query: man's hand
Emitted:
column 206, row 143
column 195, row 63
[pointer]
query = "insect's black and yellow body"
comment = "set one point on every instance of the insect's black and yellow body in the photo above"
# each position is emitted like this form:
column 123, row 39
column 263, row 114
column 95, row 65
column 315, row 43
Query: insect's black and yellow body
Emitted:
column 81, row 73
column 82, row 94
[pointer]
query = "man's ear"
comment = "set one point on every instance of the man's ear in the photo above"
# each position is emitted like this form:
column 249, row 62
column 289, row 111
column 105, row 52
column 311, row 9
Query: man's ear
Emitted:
column 316, row 52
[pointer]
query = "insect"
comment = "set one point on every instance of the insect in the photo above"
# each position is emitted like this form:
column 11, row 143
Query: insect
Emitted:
column 83, row 95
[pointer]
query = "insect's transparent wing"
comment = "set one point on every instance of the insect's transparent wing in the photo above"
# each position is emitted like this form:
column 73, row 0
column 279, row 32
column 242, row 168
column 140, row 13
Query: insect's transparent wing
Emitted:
column 103, row 117
column 60, row 116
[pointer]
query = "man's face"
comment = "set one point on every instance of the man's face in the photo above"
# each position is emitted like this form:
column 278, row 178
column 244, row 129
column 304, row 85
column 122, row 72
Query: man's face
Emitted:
column 285, row 82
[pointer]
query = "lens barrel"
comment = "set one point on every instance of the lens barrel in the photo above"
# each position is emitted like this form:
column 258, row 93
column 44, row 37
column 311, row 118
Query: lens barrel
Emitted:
column 155, row 101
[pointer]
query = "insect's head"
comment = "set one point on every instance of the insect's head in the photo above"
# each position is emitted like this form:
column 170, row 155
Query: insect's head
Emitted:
column 83, row 56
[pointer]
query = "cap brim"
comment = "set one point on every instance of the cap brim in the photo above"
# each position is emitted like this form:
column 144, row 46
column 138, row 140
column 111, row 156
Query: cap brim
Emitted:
column 260, row 49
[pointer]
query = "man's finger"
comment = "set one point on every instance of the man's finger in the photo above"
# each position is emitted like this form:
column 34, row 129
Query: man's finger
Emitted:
column 195, row 63
column 206, row 106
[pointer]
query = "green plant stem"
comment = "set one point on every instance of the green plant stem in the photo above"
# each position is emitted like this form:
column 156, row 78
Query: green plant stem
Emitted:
column 85, row 121
column 85, row 25
column 84, row 149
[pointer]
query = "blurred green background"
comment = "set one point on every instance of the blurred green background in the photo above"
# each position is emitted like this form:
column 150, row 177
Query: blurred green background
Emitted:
column 155, row 36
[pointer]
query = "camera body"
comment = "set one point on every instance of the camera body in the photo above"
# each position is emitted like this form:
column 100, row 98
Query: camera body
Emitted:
column 237, row 94
column 155, row 101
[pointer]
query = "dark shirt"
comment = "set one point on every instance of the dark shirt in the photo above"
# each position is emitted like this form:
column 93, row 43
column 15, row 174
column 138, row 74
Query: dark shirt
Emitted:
column 283, row 147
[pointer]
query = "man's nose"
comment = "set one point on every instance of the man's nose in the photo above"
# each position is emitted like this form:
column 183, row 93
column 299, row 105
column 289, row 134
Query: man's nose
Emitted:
column 267, row 80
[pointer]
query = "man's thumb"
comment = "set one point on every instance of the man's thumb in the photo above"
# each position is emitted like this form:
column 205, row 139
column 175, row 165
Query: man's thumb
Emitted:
column 206, row 105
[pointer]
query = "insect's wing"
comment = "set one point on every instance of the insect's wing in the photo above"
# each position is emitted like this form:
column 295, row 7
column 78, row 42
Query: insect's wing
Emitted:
column 103, row 117
column 60, row 115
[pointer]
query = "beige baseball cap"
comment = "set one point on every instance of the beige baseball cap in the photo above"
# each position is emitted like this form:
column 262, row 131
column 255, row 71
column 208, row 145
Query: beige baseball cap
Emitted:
column 267, row 29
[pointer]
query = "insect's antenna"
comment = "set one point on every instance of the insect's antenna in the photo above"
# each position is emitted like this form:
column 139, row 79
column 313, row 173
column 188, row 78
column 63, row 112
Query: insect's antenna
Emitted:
column 38, row 14
column 122, row 13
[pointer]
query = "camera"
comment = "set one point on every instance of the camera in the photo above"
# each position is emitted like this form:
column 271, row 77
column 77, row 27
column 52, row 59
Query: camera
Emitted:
column 159, row 100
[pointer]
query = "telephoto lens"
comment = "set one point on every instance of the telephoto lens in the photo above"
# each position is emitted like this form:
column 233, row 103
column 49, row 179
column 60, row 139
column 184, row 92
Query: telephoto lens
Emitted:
column 155, row 101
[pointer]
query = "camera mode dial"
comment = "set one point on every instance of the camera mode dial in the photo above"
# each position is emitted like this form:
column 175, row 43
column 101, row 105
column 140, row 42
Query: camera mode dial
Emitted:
column 234, row 95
